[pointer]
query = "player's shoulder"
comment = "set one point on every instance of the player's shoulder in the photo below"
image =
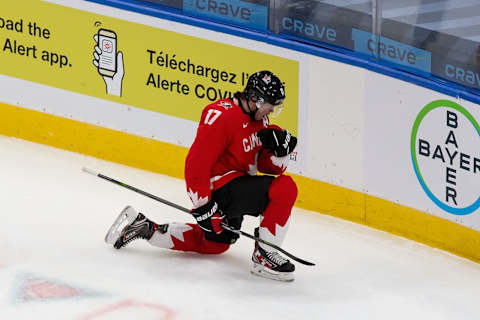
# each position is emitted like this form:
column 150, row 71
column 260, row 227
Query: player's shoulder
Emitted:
column 224, row 105
column 224, row 109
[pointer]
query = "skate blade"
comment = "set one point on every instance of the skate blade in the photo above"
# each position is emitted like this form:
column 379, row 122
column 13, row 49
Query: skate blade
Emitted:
column 127, row 216
column 261, row 271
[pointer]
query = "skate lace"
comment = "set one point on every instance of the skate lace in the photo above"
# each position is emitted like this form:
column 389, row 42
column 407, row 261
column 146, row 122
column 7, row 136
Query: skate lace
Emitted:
column 139, row 234
column 275, row 257
column 124, row 243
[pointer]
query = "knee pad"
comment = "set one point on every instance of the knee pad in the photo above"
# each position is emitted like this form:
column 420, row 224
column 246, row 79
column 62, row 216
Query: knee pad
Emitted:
column 283, row 190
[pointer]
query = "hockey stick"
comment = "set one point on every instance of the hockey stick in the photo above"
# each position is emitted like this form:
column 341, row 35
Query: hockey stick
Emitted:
column 176, row 206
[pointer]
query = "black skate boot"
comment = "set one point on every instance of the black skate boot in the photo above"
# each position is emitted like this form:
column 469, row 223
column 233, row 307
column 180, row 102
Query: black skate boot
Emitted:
column 270, row 264
column 131, row 225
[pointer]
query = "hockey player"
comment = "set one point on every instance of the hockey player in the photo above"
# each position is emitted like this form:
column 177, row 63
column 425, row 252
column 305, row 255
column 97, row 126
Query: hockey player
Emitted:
column 234, row 141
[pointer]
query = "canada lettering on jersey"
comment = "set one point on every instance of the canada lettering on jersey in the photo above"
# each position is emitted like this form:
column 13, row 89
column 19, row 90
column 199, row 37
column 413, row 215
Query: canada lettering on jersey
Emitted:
column 251, row 142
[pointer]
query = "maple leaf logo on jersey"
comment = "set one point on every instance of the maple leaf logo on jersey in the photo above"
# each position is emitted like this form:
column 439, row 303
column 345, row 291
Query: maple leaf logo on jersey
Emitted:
column 196, row 200
column 226, row 104
column 267, row 79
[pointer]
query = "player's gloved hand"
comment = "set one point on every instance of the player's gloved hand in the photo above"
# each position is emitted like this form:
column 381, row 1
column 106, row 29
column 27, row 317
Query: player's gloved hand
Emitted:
column 279, row 142
column 226, row 236
column 209, row 217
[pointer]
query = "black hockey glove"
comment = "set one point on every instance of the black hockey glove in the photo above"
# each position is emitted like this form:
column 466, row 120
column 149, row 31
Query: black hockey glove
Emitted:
column 279, row 142
column 226, row 236
column 209, row 217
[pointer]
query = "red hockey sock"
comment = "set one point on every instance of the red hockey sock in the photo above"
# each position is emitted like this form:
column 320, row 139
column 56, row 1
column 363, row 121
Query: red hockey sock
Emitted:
column 282, row 195
column 186, row 237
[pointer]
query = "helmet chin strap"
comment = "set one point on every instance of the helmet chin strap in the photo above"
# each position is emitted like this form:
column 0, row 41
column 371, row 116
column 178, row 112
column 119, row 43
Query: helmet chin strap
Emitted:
column 253, row 113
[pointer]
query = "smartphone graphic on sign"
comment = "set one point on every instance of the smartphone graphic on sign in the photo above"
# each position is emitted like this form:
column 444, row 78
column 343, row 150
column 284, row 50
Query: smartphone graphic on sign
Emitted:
column 107, row 41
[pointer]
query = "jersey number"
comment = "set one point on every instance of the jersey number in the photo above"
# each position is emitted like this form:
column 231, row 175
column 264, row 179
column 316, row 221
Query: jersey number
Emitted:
column 212, row 115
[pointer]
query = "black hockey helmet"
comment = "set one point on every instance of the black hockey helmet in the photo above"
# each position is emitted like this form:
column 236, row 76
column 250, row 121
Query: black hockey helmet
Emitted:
column 266, row 85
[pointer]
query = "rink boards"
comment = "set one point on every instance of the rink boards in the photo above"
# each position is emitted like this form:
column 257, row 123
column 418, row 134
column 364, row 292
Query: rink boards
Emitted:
column 372, row 149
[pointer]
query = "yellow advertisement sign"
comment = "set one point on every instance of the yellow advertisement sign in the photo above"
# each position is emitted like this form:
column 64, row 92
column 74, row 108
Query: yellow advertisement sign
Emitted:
column 130, row 63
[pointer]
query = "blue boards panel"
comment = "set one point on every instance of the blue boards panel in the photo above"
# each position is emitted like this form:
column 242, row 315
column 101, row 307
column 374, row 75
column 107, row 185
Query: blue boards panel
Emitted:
column 177, row 4
column 318, row 23
column 250, row 14
column 404, row 56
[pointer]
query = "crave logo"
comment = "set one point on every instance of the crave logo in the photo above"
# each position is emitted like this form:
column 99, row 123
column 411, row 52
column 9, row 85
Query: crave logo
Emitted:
column 445, row 154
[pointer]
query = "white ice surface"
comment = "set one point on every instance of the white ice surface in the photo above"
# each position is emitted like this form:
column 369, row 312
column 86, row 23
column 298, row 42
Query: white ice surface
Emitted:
column 55, row 265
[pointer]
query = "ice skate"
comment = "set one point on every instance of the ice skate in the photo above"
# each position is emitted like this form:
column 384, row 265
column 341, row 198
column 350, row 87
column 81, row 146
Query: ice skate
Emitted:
column 271, row 265
column 131, row 225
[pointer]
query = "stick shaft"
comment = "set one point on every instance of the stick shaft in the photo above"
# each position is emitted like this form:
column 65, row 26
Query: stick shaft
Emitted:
column 151, row 196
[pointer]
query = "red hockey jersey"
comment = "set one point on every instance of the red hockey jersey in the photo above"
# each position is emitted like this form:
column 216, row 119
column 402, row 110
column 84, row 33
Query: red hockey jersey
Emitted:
column 226, row 146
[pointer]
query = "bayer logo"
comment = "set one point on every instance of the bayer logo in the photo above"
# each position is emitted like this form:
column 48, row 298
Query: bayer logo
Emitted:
column 445, row 155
